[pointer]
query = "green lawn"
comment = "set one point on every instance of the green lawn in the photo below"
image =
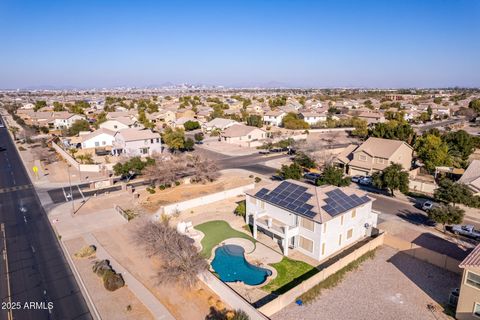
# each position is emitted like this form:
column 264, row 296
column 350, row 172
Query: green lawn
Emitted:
column 289, row 274
column 215, row 232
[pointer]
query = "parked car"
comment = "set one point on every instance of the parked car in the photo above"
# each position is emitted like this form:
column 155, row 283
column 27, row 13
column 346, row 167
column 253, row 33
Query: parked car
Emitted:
column 277, row 178
column 312, row 177
column 2, row 125
column 356, row 179
column 467, row 231
column 366, row 181
column 264, row 152
column 429, row 205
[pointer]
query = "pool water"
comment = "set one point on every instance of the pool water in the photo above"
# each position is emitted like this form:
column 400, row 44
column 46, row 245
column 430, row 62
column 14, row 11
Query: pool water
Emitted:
column 230, row 264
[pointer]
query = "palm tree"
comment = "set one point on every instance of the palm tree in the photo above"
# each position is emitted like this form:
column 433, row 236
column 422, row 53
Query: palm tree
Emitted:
column 82, row 158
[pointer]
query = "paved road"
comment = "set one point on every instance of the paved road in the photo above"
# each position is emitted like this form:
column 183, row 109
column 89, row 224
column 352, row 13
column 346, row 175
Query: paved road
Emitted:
column 38, row 270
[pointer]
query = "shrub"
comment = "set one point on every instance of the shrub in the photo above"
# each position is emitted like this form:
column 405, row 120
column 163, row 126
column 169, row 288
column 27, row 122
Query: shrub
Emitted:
column 86, row 251
column 100, row 267
column 177, row 183
column 161, row 187
column 240, row 315
column 21, row 148
column 151, row 190
column 112, row 280
column 257, row 179
column 241, row 209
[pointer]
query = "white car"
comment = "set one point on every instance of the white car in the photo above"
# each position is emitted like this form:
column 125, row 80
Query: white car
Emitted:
column 429, row 205
column 356, row 179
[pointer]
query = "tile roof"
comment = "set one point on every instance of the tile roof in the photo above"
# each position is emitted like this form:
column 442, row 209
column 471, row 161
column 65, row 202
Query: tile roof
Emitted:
column 378, row 147
column 471, row 176
column 132, row 134
column 473, row 259
column 95, row 133
column 238, row 130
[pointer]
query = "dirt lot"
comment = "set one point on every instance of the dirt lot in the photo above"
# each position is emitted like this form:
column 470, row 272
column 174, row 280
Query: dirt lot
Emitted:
column 391, row 286
column 110, row 305
column 182, row 303
column 228, row 180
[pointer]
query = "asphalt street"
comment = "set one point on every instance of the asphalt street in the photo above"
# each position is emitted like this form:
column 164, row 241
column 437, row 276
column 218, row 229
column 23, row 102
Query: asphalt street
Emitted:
column 38, row 271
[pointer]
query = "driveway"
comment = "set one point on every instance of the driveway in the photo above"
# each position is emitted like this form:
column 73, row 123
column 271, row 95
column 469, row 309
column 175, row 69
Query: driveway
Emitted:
column 392, row 286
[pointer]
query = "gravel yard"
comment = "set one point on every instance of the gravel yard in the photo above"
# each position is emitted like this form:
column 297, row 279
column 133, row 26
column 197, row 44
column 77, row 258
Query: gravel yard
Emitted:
column 391, row 286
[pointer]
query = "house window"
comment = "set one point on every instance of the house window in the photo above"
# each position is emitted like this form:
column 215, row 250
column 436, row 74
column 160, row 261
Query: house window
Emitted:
column 97, row 144
column 158, row 140
column 476, row 309
column 144, row 150
column 307, row 224
column 262, row 205
column 341, row 220
column 349, row 233
column 115, row 126
column 354, row 213
column 362, row 157
column 151, row 140
column 473, row 279
column 104, row 142
column 323, row 248
column 306, row 244
column 380, row 160
column 339, row 239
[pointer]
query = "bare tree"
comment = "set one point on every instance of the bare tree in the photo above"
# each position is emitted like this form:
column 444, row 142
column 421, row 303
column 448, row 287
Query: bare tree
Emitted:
column 203, row 169
column 181, row 260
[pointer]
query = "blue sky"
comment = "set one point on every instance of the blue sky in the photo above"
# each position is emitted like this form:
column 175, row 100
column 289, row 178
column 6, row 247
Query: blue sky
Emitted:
column 396, row 43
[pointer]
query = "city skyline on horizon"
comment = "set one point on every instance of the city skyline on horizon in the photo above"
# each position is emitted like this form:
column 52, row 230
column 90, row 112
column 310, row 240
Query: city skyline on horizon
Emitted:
column 400, row 44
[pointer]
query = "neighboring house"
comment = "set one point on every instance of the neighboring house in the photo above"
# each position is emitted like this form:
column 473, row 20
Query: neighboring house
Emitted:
column 243, row 135
column 179, row 123
column 274, row 118
column 313, row 117
column 64, row 120
column 371, row 117
column 374, row 155
column 184, row 113
column 471, row 177
column 133, row 142
column 120, row 123
column 468, row 306
column 98, row 138
column 218, row 123
column 316, row 221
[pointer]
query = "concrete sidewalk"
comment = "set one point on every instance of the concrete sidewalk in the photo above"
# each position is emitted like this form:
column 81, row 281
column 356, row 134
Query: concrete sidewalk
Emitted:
column 157, row 309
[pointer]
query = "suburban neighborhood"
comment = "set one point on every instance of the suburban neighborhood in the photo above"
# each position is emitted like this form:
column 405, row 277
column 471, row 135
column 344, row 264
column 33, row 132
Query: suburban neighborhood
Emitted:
column 201, row 160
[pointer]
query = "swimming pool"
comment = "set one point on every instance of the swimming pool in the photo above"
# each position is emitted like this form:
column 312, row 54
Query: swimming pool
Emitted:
column 230, row 264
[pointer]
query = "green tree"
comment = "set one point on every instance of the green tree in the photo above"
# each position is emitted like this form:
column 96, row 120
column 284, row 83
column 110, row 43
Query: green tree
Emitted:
column 361, row 127
column 39, row 104
column 134, row 165
column 392, row 178
column 14, row 131
column 446, row 215
column 433, row 152
column 191, row 125
column 188, row 144
column 174, row 138
column 293, row 171
column 437, row 100
column 451, row 192
column 57, row 106
column 254, row 120
column 198, row 137
column 293, row 121
column 333, row 176
column 304, row 160
column 475, row 105
column 101, row 118
column 77, row 126
column 217, row 112
column 393, row 129
column 241, row 209
column 460, row 144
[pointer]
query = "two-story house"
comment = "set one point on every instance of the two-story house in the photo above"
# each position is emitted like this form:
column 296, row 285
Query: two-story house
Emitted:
column 468, row 306
column 374, row 155
column 64, row 119
column 98, row 138
column 274, row 118
column 316, row 221
column 218, row 123
column 120, row 123
column 133, row 142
